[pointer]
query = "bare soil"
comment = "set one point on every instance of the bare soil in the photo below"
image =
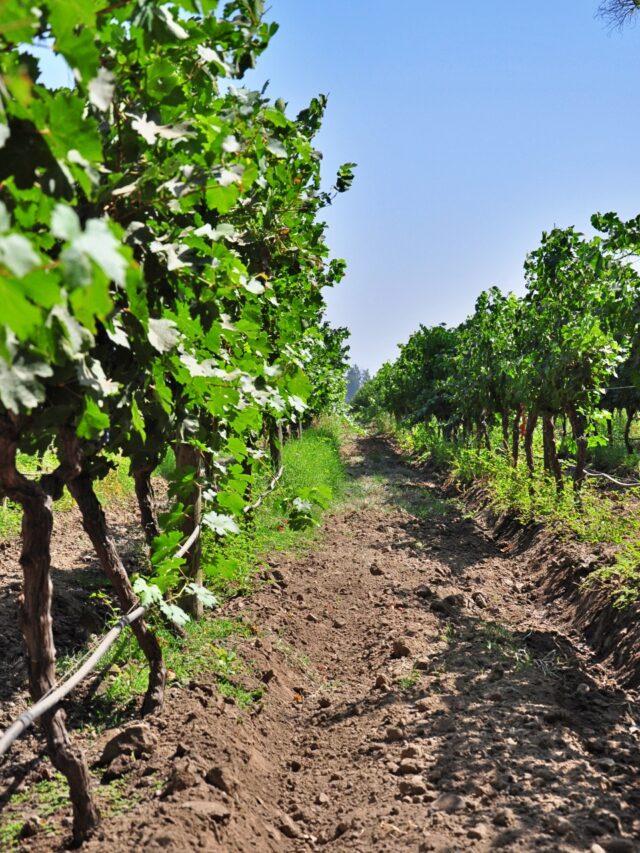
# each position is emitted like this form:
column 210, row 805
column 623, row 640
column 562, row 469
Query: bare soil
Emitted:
column 422, row 694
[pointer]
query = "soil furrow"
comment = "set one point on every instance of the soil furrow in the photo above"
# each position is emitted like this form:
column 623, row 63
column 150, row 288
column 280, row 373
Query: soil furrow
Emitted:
column 417, row 697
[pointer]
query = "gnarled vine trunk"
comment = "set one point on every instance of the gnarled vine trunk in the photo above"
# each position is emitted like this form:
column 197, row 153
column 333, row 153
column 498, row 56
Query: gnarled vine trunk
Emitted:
column 276, row 441
column 146, row 501
column 504, row 418
column 551, row 454
column 36, row 500
column 532, row 420
column 515, row 437
column 631, row 412
column 95, row 525
column 578, row 426
column 189, row 457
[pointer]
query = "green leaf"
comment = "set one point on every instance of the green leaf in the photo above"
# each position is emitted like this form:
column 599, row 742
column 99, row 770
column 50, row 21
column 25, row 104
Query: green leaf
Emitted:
column 163, row 334
column 275, row 147
column 65, row 223
column 69, row 129
column 17, row 312
column 174, row 613
column 93, row 420
column 220, row 524
column 275, row 117
column 222, row 199
column 137, row 419
column 207, row 598
column 17, row 254
column 18, row 20
column 20, row 386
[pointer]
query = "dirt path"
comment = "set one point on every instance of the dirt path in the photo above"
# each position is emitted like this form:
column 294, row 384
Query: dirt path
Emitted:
column 417, row 699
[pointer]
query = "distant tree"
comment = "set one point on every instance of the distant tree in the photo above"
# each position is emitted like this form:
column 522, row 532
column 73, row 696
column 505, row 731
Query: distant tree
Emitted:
column 618, row 12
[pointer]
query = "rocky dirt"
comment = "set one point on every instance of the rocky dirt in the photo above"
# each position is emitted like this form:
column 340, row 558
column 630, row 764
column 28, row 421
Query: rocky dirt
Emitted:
column 420, row 695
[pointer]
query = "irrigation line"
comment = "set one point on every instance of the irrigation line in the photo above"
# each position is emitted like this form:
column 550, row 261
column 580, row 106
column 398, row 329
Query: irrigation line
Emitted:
column 268, row 490
column 57, row 693
column 613, row 479
column 632, row 485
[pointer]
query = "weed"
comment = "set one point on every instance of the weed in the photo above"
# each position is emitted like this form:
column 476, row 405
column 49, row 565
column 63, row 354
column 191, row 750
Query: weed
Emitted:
column 410, row 680
column 113, row 799
column 10, row 834
column 449, row 633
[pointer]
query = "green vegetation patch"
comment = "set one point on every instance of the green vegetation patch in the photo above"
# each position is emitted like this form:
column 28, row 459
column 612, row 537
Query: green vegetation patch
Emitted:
column 312, row 467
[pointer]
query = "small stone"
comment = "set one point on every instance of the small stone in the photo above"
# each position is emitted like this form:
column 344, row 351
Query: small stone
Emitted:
column 400, row 649
column 375, row 570
column 504, row 817
column 448, row 803
column 301, row 816
column 212, row 809
column 411, row 752
column 424, row 592
column 322, row 799
column 423, row 664
column 412, row 785
column 30, row 827
column 135, row 740
column 184, row 775
column 478, row 832
column 394, row 734
column 617, row 844
column 341, row 828
column 456, row 601
column 559, row 825
column 381, row 682
column 221, row 779
column 479, row 600
column 409, row 767
column 339, row 624
column 288, row 827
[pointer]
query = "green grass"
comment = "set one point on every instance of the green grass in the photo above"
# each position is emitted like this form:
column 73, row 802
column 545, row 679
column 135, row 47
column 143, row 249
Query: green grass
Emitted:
column 310, row 463
column 410, row 680
column 10, row 834
column 231, row 565
column 49, row 796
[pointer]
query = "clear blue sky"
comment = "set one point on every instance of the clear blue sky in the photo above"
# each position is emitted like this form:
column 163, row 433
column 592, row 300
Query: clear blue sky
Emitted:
column 475, row 127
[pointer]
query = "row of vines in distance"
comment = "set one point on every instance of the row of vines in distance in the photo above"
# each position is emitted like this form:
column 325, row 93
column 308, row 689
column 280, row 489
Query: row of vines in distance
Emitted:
column 567, row 351
column 162, row 263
